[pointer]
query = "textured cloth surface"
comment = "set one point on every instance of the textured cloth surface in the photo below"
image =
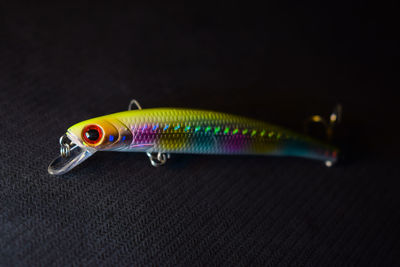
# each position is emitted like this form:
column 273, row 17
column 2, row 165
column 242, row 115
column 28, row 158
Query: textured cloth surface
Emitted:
column 278, row 63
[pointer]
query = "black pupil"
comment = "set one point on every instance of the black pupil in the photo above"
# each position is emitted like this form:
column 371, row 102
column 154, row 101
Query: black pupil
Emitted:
column 92, row 134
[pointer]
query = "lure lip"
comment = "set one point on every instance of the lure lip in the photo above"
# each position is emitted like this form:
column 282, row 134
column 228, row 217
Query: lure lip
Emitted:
column 77, row 154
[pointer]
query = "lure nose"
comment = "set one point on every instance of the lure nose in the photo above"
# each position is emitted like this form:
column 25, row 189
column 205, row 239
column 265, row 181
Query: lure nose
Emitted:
column 69, row 157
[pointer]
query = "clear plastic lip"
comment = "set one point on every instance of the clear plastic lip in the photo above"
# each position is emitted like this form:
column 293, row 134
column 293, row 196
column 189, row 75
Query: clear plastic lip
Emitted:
column 78, row 154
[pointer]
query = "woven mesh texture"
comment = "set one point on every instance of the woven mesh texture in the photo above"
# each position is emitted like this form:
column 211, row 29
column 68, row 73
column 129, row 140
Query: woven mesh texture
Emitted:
column 61, row 65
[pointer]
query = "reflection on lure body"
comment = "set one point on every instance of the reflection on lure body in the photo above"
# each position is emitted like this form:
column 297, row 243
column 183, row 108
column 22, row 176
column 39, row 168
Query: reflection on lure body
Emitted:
column 160, row 131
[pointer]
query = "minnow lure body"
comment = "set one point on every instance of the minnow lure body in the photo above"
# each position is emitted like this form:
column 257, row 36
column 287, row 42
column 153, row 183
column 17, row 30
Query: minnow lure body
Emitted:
column 161, row 131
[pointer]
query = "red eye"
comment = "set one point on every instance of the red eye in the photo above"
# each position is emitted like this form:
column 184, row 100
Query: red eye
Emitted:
column 92, row 134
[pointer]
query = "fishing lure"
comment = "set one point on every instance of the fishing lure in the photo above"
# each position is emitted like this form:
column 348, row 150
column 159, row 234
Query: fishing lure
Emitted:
column 161, row 131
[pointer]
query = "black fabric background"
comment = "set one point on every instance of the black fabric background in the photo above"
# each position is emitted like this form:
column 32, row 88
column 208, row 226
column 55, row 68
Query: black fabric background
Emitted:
column 280, row 63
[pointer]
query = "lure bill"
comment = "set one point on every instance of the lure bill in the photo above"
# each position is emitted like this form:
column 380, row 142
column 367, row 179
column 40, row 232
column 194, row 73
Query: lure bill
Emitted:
column 163, row 131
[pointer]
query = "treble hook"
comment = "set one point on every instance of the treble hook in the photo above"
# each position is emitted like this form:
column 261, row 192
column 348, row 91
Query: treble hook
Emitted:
column 334, row 119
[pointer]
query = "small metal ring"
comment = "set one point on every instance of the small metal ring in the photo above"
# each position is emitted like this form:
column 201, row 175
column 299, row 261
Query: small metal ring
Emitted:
column 65, row 150
column 159, row 159
column 65, row 146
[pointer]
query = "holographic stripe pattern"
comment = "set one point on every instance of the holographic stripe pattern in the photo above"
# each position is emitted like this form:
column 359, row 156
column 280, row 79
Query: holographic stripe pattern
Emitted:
column 176, row 130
